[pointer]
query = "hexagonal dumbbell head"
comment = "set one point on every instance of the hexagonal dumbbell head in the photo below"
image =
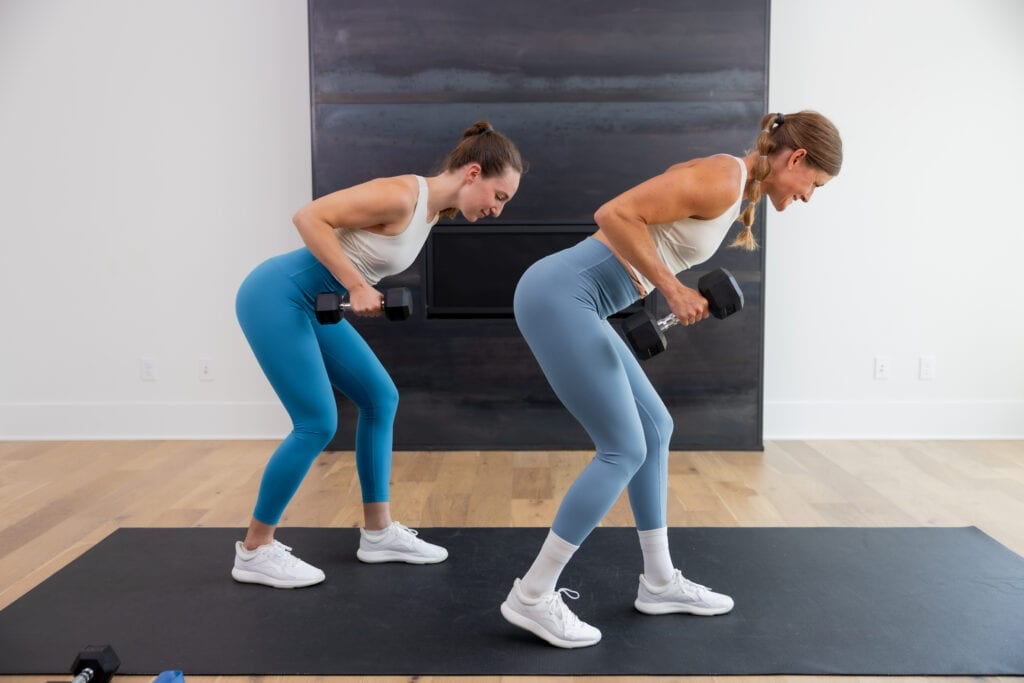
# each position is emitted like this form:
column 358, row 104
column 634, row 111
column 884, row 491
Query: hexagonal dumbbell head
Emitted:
column 96, row 664
column 328, row 308
column 397, row 303
column 644, row 335
column 724, row 295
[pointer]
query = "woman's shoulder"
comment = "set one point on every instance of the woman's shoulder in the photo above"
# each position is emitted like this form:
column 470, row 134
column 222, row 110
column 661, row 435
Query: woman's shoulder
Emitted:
column 407, row 183
column 395, row 190
column 712, row 181
column 723, row 166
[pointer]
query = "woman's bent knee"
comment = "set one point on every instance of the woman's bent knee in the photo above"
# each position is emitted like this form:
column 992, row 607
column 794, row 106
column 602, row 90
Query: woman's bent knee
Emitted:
column 320, row 429
column 628, row 457
column 382, row 404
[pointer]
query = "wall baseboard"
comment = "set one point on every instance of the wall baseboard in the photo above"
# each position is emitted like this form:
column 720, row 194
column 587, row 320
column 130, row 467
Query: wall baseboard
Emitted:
column 268, row 420
column 150, row 420
column 893, row 420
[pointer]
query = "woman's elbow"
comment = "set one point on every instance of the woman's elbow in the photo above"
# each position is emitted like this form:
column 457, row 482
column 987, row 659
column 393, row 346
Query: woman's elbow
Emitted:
column 303, row 219
column 602, row 213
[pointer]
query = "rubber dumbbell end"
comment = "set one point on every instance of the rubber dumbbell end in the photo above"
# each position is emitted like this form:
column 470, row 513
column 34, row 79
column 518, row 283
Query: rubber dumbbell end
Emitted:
column 722, row 291
column 398, row 303
column 96, row 664
column 644, row 335
column 328, row 308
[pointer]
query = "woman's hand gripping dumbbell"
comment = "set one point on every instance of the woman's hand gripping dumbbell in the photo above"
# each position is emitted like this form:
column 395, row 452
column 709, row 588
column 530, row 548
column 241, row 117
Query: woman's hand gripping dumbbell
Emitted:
column 646, row 334
column 395, row 302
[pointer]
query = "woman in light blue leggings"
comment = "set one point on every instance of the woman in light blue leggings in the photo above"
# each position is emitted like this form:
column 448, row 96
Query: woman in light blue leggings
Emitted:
column 354, row 238
column 597, row 378
column 645, row 237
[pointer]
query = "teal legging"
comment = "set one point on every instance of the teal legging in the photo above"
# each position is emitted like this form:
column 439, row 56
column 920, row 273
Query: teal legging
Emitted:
column 303, row 360
column 561, row 306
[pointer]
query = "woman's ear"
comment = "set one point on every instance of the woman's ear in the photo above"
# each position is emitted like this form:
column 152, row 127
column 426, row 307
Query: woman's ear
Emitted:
column 472, row 173
column 795, row 157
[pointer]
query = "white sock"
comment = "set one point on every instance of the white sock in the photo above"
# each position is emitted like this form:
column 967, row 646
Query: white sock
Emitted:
column 543, row 574
column 376, row 534
column 658, row 568
column 245, row 553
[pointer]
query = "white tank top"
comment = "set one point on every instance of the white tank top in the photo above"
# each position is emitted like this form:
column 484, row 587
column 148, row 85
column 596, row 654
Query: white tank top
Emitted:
column 687, row 242
column 376, row 256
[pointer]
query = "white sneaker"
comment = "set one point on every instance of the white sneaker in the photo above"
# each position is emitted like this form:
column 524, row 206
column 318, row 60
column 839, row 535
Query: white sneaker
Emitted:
column 680, row 595
column 398, row 543
column 273, row 565
column 549, row 618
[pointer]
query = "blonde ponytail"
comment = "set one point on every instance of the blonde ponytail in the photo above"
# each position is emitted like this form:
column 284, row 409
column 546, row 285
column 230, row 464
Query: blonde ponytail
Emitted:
column 765, row 145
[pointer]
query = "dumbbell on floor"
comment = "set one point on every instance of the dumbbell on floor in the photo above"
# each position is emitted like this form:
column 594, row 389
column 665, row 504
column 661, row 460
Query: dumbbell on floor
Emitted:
column 396, row 304
column 646, row 334
column 95, row 664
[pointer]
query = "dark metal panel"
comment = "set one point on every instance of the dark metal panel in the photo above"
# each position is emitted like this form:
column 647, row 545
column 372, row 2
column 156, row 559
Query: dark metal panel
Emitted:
column 580, row 154
column 598, row 95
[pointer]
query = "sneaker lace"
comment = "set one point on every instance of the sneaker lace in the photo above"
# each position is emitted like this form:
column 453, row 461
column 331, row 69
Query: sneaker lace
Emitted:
column 691, row 587
column 557, row 607
column 284, row 553
column 412, row 540
column 402, row 527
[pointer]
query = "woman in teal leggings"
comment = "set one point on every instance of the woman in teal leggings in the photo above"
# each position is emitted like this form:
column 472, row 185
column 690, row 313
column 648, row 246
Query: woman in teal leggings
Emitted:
column 354, row 237
column 645, row 237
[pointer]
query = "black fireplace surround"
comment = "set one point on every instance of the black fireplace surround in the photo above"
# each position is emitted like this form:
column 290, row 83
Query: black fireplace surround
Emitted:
column 598, row 96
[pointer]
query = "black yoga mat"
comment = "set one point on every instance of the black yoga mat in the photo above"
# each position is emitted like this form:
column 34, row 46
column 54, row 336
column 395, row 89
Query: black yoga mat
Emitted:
column 900, row 601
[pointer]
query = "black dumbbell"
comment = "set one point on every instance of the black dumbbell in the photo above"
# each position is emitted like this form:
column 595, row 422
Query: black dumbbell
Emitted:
column 646, row 334
column 396, row 304
column 95, row 664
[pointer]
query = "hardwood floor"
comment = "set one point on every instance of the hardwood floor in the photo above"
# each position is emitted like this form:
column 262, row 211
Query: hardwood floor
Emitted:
column 57, row 499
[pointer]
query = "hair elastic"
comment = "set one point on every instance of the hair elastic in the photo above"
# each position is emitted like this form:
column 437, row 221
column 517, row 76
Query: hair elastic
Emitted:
column 780, row 119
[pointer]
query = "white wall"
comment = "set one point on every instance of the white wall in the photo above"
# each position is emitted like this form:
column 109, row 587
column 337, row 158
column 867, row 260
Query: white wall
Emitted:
column 152, row 153
column 917, row 247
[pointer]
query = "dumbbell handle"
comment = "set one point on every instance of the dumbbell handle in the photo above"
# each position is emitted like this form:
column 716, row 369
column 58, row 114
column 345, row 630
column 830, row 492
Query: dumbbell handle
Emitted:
column 84, row 676
column 347, row 305
column 667, row 322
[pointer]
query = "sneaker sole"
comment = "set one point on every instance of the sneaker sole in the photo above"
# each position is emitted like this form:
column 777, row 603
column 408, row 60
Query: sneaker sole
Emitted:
column 517, row 619
column 677, row 608
column 379, row 556
column 243, row 576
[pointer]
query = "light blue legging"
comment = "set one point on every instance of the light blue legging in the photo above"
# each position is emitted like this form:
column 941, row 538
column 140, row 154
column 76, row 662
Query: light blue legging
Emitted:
column 561, row 305
column 303, row 360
